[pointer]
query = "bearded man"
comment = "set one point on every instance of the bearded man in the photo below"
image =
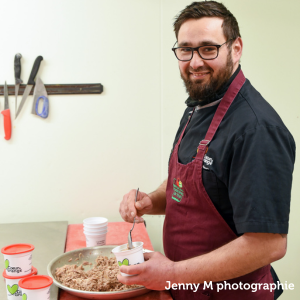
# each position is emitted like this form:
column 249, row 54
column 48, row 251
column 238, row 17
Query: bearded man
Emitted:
column 227, row 196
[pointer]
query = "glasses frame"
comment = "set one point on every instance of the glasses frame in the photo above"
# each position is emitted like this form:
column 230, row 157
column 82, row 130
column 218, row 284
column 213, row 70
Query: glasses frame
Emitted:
column 197, row 49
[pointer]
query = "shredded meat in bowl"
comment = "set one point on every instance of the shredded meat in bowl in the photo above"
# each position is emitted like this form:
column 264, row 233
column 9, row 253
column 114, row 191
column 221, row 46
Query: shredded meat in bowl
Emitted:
column 101, row 278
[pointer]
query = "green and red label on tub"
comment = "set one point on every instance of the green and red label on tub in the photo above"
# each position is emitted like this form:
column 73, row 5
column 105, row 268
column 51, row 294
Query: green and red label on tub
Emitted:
column 14, row 290
column 11, row 269
column 125, row 262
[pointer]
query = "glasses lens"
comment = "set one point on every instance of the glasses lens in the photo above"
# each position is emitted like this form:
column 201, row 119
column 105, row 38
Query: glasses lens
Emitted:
column 208, row 52
column 184, row 53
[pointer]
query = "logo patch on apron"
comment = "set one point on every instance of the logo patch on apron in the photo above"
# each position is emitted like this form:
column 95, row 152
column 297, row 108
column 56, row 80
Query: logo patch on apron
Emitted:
column 177, row 190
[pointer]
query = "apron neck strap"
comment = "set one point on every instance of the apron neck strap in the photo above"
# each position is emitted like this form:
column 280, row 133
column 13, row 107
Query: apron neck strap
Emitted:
column 225, row 103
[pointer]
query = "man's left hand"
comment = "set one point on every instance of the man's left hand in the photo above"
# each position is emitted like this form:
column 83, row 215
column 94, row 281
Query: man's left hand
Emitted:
column 152, row 274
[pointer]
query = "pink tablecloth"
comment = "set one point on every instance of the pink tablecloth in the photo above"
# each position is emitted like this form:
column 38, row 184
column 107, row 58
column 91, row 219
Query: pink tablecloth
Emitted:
column 117, row 235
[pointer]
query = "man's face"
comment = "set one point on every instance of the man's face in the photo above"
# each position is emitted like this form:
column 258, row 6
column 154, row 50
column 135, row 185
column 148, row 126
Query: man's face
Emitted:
column 203, row 78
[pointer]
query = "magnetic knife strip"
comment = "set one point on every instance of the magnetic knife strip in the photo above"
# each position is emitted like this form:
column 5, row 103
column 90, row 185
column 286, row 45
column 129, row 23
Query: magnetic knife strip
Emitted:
column 59, row 89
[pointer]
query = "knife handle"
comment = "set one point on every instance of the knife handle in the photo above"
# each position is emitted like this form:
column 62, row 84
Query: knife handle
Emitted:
column 45, row 110
column 7, row 123
column 17, row 65
column 34, row 70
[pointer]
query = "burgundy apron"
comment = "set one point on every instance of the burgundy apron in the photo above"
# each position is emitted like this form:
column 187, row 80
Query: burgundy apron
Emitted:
column 193, row 226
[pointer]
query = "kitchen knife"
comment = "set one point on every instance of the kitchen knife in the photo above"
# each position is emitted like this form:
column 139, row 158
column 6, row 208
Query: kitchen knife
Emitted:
column 6, row 115
column 30, row 82
column 18, row 80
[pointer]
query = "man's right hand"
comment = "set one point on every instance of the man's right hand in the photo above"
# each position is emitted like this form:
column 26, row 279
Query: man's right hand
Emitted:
column 129, row 209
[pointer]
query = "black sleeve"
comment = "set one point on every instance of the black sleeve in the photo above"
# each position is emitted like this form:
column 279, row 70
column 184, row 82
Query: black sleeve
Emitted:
column 260, row 180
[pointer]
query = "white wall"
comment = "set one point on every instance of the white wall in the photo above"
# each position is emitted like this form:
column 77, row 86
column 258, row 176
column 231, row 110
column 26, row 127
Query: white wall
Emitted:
column 94, row 148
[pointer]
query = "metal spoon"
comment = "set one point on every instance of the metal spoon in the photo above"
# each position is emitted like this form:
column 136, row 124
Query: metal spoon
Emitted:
column 129, row 234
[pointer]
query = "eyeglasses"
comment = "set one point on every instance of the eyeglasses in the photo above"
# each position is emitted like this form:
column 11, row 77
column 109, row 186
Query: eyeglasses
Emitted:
column 206, row 52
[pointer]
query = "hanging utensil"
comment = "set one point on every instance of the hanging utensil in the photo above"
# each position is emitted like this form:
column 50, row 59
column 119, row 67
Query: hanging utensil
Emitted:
column 6, row 115
column 18, row 80
column 30, row 82
column 129, row 234
column 40, row 93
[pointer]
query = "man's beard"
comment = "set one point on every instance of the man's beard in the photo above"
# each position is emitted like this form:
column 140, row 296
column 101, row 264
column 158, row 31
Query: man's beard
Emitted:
column 204, row 92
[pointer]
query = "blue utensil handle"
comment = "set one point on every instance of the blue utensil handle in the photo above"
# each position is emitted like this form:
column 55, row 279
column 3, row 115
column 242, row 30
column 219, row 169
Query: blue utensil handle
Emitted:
column 45, row 110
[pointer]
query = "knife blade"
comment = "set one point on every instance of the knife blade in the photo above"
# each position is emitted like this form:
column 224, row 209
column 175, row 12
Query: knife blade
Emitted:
column 18, row 80
column 6, row 115
column 40, row 92
column 30, row 82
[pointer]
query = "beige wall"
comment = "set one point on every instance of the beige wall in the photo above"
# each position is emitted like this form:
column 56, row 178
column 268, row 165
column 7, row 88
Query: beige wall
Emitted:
column 94, row 148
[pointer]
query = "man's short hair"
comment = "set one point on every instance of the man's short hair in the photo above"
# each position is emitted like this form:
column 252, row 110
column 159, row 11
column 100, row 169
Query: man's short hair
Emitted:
column 198, row 10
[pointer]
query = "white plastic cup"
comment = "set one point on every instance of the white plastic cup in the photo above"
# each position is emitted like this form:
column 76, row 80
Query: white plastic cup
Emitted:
column 95, row 226
column 95, row 222
column 36, row 287
column 88, row 231
column 12, row 285
column 18, row 259
column 93, row 240
column 129, row 257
